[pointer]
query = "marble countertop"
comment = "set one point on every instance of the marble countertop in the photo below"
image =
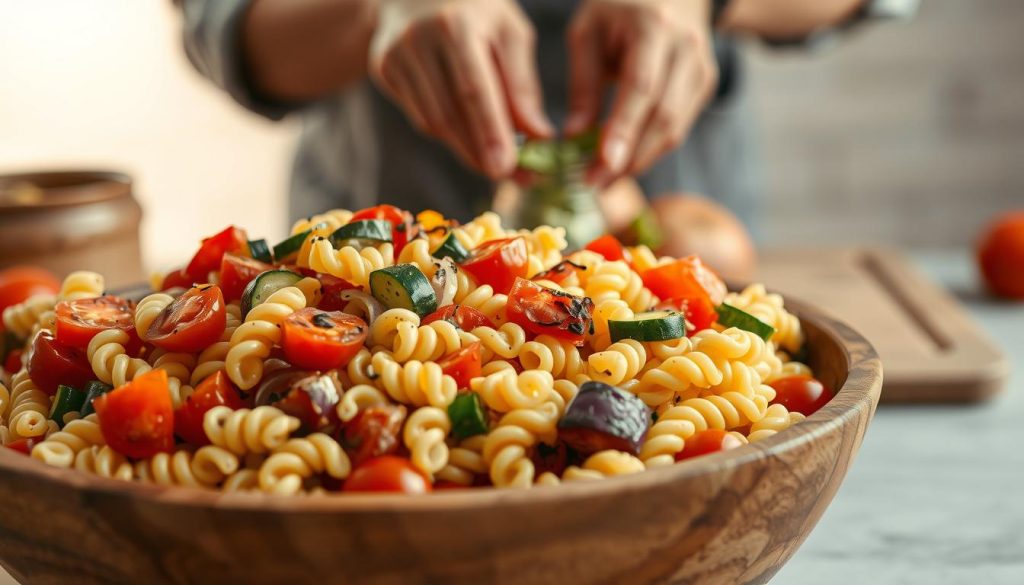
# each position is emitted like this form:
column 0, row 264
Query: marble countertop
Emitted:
column 936, row 495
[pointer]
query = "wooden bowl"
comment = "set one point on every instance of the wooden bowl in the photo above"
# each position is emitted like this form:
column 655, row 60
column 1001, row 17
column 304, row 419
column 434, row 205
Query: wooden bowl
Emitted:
column 731, row 517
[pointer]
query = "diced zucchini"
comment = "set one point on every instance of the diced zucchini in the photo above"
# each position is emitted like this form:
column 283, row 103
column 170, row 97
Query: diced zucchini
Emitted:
column 467, row 416
column 649, row 326
column 266, row 284
column 730, row 316
column 289, row 248
column 374, row 230
column 403, row 286
column 66, row 400
column 93, row 390
column 452, row 248
column 260, row 251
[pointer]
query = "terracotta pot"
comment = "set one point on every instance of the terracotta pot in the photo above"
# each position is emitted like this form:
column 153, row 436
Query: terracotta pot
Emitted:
column 71, row 220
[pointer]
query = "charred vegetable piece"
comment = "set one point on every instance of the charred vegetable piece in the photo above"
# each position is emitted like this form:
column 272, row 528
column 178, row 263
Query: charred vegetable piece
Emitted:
column 314, row 401
column 604, row 417
column 467, row 415
column 374, row 432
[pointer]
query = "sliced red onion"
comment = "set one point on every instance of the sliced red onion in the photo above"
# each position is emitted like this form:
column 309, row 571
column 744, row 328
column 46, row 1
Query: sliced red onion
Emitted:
column 362, row 305
column 445, row 281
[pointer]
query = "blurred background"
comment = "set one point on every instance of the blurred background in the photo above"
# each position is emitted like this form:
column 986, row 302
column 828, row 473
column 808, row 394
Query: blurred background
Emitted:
column 903, row 133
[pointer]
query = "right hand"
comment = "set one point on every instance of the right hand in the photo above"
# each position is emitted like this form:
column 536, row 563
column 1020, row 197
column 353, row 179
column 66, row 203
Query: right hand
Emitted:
column 464, row 72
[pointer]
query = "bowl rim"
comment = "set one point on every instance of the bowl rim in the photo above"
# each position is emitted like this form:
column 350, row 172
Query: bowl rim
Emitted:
column 860, row 390
column 90, row 185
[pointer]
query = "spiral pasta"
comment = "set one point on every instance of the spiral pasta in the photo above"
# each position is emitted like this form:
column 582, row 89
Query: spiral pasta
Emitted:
column 357, row 398
column 605, row 311
column 104, row 462
column 414, row 383
column 604, row 464
column 505, row 390
column 506, row 448
column 333, row 219
column 557, row 356
column 211, row 360
column 349, row 263
column 110, row 361
column 148, row 309
column 770, row 308
column 506, row 341
column 484, row 299
column 29, row 408
column 252, row 340
column 424, row 434
column 465, row 462
column 245, row 431
column 25, row 318
column 620, row 362
column 776, row 419
column 61, row 448
column 206, row 468
column 299, row 459
column 81, row 284
column 616, row 280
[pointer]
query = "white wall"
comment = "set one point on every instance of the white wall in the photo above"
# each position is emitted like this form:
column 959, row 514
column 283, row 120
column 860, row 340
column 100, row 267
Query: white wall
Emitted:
column 105, row 83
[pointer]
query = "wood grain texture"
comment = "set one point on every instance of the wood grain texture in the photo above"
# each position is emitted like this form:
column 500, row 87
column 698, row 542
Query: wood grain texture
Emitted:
column 932, row 349
column 731, row 517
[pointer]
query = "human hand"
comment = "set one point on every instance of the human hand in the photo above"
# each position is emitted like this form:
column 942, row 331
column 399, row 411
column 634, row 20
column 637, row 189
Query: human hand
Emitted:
column 659, row 54
column 463, row 72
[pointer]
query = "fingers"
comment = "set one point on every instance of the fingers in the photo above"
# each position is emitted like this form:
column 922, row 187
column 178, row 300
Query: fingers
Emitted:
column 585, row 72
column 516, row 61
column 641, row 84
column 479, row 92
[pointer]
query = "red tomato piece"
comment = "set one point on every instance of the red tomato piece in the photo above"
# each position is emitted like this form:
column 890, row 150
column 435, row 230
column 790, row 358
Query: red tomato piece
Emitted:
column 51, row 363
column 685, row 278
column 610, row 247
column 699, row 312
column 18, row 283
column 706, row 442
column 1001, row 256
column 374, row 432
column 215, row 390
column 463, row 365
column 212, row 250
column 498, row 263
column 322, row 340
column 13, row 361
column 313, row 400
column 463, row 317
column 560, row 272
column 194, row 321
column 401, row 222
column 238, row 271
column 137, row 419
column 177, row 279
column 24, row 445
column 543, row 310
column 547, row 458
column 331, row 288
column 802, row 394
column 387, row 474
column 79, row 321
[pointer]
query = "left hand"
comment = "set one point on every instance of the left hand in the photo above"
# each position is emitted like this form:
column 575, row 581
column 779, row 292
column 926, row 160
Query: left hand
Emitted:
column 659, row 54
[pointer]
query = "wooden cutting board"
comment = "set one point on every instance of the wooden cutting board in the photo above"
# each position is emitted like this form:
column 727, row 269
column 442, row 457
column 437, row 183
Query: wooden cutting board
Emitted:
column 931, row 349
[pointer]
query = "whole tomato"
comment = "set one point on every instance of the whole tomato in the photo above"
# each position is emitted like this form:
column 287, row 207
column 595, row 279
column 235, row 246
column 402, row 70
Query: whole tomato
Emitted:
column 1001, row 256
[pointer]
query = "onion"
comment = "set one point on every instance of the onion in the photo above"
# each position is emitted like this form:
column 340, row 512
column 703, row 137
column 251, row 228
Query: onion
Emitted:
column 445, row 282
column 362, row 305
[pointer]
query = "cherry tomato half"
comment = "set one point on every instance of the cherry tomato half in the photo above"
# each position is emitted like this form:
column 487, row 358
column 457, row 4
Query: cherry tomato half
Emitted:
column 685, row 278
column 706, row 442
column 374, row 432
column 331, row 288
column 1001, row 256
column 401, row 222
column 212, row 250
column 137, row 419
column 802, row 394
column 79, row 321
column 215, row 390
column 498, row 263
column 18, row 283
column 463, row 317
column 560, row 272
column 543, row 310
column 463, row 365
column 387, row 474
column 177, row 279
column 52, row 363
column 698, row 311
column 322, row 340
column 12, row 363
column 610, row 247
column 236, row 272
column 194, row 321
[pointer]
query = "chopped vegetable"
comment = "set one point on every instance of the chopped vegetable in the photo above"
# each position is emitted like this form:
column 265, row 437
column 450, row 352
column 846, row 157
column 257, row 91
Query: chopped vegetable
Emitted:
column 609, row 247
column 322, row 340
column 604, row 417
column 371, row 230
column 93, row 390
column 401, row 223
column 463, row 365
column 802, row 394
column 706, row 442
column 463, row 317
column 452, row 248
column 314, row 401
column 236, row 272
column 498, row 263
column 374, row 432
column 66, row 400
column 649, row 326
column 286, row 250
column 467, row 415
column 403, row 286
column 685, row 278
column 80, row 320
column 730, row 316
column 209, row 256
column 191, row 323
column 266, row 284
column 260, row 250
column 137, row 419
column 542, row 310
column 52, row 363
column 387, row 474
